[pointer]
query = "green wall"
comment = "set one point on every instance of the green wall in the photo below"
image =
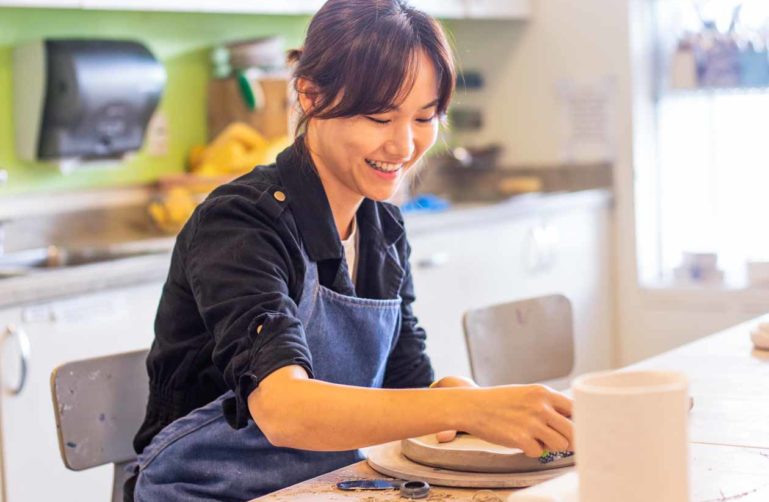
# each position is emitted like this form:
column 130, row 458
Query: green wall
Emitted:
column 180, row 40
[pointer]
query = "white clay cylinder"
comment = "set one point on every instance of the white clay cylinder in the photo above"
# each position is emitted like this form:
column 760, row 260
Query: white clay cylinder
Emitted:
column 631, row 436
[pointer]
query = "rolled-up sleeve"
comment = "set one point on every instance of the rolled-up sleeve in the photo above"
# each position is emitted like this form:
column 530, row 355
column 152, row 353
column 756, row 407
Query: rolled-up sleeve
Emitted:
column 241, row 272
column 409, row 365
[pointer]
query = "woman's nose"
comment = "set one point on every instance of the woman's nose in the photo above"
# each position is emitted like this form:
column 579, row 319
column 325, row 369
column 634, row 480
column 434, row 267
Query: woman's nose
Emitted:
column 401, row 144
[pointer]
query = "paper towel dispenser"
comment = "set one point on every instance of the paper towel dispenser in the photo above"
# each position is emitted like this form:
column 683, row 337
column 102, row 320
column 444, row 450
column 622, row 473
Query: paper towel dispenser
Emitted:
column 83, row 99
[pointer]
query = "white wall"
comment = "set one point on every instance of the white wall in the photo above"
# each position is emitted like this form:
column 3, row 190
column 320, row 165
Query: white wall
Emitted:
column 522, row 62
column 585, row 40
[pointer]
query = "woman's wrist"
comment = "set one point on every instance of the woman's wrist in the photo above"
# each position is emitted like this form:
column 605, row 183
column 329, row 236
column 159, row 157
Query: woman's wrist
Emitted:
column 459, row 397
column 465, row 416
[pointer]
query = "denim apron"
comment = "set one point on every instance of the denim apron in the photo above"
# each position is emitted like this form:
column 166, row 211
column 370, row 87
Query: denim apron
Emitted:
column 200, row 457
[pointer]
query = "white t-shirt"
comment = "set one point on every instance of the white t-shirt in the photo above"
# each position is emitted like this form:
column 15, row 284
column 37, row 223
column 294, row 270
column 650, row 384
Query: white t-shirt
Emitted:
column 351, row 250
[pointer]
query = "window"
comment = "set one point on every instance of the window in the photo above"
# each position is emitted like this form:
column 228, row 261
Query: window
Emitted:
column 711, row 185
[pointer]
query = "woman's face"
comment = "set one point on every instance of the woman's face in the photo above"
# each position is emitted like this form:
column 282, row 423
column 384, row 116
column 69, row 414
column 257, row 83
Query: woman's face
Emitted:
column 369, row 155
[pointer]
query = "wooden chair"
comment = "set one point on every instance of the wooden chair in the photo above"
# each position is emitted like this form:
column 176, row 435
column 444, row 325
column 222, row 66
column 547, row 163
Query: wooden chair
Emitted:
column 521, row 342
column 99, row 405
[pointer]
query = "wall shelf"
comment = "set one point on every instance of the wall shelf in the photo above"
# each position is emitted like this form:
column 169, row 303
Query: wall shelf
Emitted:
column 715, row 91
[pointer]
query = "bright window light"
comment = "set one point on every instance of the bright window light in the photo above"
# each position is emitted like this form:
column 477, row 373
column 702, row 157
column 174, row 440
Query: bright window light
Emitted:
column 712, row 173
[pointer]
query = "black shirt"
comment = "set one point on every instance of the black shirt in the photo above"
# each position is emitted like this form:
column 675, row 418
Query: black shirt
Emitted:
column 228, row 313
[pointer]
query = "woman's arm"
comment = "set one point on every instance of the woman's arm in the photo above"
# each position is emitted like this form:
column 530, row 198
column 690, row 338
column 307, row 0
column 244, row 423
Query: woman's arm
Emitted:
column 245, row 273
column 297, row 412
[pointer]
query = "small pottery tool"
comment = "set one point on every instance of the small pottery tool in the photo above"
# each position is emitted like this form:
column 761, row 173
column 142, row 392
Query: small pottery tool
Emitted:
column 408, row 489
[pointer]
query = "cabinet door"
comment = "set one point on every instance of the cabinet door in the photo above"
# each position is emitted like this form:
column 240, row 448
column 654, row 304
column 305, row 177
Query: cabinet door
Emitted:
column 41, row 3
column 158, row 5
column 498, row 9
column 86, row 326
column 451, row 9
column 461, row 269
column 470, row 267
column 570, row 253
column 244, row 6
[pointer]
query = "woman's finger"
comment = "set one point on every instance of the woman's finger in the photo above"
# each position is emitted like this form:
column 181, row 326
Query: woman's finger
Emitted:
column 531, row 447
column 561, row 403
column 446, row 436
column 563, row 425
column 551, row 438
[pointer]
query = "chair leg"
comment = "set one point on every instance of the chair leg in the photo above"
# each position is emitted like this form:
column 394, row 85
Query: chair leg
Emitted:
column 121, row 473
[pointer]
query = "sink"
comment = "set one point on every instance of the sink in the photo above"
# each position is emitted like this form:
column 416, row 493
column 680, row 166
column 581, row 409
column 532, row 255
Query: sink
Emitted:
column 28, row 261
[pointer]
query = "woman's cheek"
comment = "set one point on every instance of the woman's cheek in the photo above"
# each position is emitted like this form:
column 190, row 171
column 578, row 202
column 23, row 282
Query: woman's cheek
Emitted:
column 372, row 134
column 427, row 138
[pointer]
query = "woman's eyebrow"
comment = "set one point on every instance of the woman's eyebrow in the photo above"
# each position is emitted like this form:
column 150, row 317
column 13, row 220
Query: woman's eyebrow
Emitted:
column 428, row 105
column 431, row 104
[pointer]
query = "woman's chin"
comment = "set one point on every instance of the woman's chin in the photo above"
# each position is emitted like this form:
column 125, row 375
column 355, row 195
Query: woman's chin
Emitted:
column 381, row 191
column 380, row 195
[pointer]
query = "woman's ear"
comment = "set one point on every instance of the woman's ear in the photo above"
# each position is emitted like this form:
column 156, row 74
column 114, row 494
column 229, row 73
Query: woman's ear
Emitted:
column 307, row 93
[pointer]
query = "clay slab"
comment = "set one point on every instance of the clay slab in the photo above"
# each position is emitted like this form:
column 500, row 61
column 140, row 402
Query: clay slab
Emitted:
column 468, row 453
column 388, row 460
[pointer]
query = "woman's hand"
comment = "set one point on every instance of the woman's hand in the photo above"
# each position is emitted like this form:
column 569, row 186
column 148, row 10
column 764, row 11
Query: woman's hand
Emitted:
column 451, row 381
column 529, row 417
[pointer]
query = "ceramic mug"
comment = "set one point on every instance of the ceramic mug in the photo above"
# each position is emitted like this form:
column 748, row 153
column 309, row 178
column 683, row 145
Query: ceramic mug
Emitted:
column 631, row 436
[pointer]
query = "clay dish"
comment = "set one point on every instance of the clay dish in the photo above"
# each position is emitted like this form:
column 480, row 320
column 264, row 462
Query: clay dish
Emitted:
column 470, row 454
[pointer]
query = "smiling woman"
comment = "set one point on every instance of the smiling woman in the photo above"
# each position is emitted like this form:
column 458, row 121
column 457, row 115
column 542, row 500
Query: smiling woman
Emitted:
column 369, row 154
column 285, row 338
column 391, row 94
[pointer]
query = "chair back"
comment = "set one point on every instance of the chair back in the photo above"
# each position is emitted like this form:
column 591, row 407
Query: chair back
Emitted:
column 521, row 342
column 99, row 405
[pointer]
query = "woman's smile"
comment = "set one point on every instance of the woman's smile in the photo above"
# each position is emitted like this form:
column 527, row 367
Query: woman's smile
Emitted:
column 385, row 167
column 385, row 174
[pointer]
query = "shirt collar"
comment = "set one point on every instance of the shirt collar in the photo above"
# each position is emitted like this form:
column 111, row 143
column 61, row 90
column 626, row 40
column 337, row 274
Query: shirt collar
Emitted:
column 312, row 212
column 384, row 218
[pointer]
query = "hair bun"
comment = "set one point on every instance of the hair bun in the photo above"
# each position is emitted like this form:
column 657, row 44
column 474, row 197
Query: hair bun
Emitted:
column 294, row 55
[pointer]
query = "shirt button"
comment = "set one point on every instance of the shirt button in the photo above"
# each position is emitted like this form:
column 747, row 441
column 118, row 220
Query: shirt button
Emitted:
column 279, row 196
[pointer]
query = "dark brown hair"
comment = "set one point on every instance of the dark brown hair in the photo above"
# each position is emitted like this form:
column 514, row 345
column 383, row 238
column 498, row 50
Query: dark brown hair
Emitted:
column 364, row 52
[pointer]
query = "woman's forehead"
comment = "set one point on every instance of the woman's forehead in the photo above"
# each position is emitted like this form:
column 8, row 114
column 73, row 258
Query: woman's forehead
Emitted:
column 420, row 87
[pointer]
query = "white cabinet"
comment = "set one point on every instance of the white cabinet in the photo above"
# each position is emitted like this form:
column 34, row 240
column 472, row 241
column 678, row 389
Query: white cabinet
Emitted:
column 447, row 9
column 497, row 9
column 100, row 323
column 41, row 3
column 490, row 262
column 451, row 9
column 239, row 6
column 456, row 270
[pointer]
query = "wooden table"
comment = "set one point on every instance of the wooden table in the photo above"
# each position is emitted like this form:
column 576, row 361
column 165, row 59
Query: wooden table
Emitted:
column 728, row 428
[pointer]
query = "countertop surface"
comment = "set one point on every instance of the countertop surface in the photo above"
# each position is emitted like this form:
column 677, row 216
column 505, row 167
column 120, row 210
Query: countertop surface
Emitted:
column 536, row 204
column 47, row 284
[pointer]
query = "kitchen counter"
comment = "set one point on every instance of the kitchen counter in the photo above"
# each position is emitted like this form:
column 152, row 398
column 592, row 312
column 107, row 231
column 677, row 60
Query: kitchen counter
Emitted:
column 50, row 284
column 47, row 284
column 468, row 214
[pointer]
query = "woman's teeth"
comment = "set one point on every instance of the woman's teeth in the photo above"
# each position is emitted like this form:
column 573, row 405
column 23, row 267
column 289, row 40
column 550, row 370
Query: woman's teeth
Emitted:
column 385, row 167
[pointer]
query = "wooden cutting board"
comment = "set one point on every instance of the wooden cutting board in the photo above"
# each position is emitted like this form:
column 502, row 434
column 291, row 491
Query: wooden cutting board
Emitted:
column 468, row 453
column 388, row 460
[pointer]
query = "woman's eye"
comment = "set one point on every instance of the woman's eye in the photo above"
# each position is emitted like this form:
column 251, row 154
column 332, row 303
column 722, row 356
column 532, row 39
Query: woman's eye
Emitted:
column 426, row 121
column 378, row 121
